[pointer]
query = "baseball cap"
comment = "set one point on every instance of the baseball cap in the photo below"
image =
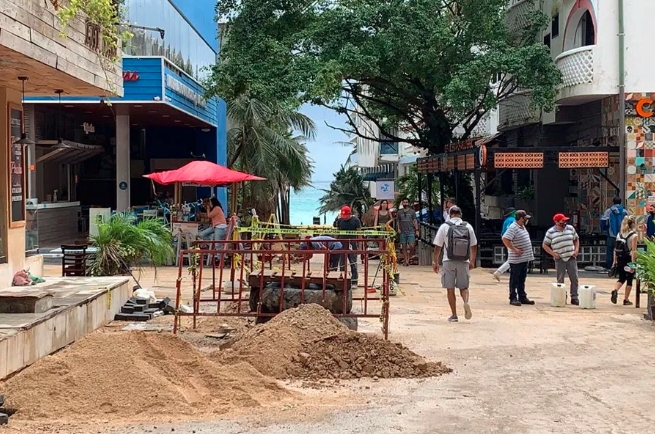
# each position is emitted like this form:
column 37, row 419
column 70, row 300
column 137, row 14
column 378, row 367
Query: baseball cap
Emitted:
column 560, row 217
column 521, row 213
column 454, row 210
column 345, row 211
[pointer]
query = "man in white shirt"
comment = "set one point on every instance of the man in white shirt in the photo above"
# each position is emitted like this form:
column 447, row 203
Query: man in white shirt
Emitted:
column 459, row 244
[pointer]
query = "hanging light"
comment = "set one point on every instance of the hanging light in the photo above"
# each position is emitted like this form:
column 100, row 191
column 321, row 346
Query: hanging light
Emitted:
column 60, row 141
column 23, row 136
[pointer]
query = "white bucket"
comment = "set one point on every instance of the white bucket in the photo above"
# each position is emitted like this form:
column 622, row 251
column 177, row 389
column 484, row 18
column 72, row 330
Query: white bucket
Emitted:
column 587, row 296
column 558, row 295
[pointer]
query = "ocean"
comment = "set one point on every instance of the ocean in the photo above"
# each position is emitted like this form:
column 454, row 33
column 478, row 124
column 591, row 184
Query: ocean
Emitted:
column 305, row 203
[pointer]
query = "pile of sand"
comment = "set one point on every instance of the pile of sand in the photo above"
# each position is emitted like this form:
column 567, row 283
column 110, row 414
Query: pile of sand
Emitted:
column 356, row 355
column 308, row 342
column 134, row 375
column 269, row 347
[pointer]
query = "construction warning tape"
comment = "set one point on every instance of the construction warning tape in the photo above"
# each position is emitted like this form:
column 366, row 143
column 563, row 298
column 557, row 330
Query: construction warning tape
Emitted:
column 326, row 231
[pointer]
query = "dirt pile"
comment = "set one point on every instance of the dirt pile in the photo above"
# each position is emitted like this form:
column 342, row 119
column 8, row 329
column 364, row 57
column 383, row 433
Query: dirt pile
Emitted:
column 270, row 347
column 308, row 343
column 137, row 376
column 356, row 355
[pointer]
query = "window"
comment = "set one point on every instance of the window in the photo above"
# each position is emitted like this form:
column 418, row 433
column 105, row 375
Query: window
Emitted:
column 554, row 26
column 547, row 41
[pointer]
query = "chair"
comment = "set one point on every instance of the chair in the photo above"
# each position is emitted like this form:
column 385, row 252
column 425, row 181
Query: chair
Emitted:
column 73, row 260
column 149, row 213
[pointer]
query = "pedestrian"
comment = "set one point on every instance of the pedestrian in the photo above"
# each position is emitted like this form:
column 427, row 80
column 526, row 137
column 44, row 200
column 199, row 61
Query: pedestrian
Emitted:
column 610, row 225
column 510, row 217
column 408, row 228
column 450, row 202
column 519, row 246
column 348, row 222
column 563, row 244
column 650, row 221
column 459, row 244
column 625, row 254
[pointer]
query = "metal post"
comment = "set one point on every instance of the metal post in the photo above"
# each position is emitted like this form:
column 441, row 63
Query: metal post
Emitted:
column 429, row 192
column 622, row 144
column 419, row 184
column 477, row 211
column 441, row 195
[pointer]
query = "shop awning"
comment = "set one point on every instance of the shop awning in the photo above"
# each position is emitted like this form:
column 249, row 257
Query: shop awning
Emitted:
column 67, row 152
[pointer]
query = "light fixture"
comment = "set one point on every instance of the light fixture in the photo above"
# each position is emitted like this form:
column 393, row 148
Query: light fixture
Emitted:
column 23, row 136
column 165, row 116
column 177, row 121
column 60, row 141
column 69, row 106
column 205, row 130
column 152, row 111
column 138, row 105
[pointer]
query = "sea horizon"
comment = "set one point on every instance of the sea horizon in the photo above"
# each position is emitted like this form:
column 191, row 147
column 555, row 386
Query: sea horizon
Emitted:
column 304, row 204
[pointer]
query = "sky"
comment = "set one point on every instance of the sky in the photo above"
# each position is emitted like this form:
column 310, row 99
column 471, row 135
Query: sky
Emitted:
column 327, row 154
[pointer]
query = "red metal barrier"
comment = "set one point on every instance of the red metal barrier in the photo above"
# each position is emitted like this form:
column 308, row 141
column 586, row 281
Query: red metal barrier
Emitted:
column 301, row 269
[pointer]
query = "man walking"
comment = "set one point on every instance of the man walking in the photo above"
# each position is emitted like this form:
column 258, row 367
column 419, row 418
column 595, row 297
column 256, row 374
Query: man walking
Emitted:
column 450, row 202
column 517, row 241
column 562, row 243
column 458, row 240
column 348, row 222
column 610, row 225
column 408, row 228
column 510, row 217
column 650, row 221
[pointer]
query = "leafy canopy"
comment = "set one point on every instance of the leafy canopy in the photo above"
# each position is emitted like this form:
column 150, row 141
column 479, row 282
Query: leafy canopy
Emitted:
column 347, row 189
column 416, row 69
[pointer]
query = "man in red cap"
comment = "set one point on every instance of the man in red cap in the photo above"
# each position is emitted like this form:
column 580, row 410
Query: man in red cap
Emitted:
column 562, row 243
column 348, row 222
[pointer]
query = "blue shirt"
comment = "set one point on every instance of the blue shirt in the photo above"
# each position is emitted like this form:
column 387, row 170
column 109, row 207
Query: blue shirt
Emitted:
column 336, row 245
column 650, row 226
column 508, row 221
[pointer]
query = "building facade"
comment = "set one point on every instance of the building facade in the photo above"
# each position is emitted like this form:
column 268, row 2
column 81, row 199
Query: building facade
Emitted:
column 586, row 43
column 32, row 47
column 161, row 122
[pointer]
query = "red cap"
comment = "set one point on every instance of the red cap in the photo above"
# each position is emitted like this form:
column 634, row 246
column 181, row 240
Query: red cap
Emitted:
column 560, row 217
column 345, row 211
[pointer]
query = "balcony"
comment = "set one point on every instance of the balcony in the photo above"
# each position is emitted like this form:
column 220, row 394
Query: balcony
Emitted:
column 515, row 111
column 518, row 14
column 582, row 79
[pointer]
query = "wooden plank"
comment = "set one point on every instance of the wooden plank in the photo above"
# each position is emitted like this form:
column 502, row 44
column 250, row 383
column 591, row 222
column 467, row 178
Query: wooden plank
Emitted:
column 335, row 275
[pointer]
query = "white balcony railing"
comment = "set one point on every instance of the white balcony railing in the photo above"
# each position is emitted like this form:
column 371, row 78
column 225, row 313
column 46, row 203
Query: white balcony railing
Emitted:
column 518, row 14
column 576, row 66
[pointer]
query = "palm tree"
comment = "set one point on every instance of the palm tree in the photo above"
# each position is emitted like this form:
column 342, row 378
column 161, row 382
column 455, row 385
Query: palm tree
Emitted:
column 407, row 186
column 260, row 141
column 347, row 189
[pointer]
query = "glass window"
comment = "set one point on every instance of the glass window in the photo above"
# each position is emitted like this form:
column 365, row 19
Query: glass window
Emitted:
column 182, row 45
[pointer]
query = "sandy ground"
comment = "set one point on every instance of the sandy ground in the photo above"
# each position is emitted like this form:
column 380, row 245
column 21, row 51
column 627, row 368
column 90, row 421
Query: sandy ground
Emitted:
column 530, row 369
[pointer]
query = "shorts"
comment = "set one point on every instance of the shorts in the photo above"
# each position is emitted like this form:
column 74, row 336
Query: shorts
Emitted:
column 455, row 274
column 407, row 238
column 624, row 276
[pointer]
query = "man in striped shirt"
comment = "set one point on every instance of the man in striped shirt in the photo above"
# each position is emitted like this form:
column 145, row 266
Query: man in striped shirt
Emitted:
column 519, row 246
column 562, row 243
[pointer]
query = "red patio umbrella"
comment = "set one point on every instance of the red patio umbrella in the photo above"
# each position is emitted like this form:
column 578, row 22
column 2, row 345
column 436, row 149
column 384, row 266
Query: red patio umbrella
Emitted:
column 202, row 173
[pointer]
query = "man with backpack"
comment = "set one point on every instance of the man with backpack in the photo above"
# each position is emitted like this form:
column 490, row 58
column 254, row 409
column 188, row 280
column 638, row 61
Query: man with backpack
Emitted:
column 610, row 225
column 458, row 240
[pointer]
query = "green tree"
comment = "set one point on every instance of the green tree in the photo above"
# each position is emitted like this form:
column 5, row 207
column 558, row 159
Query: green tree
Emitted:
column 416, row 69
column 261, row 141
column 407, row 186
column 347, row 189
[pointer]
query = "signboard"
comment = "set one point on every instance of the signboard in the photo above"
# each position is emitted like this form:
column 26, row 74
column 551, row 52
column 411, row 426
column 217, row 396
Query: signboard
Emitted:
column 16, row 168
column 644, row 107
column 385, row 189
column 130, row 76
column 185, row 91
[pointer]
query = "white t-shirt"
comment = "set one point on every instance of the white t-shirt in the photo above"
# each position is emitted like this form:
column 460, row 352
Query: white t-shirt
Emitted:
column 441, row 239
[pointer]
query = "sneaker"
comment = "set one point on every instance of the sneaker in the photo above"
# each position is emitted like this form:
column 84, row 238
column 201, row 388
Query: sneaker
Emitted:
column 453, row 318
column 467, row 311
column 615, row 296
column 575, row 302
column 625, row 303
column 527, row 301
column 515, row 302
column 496, row 276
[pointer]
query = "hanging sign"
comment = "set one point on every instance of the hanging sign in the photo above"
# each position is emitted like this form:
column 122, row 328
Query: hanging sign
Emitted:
column 130, row 76
column 385, row 190
column 644, row 107
column 16, row 168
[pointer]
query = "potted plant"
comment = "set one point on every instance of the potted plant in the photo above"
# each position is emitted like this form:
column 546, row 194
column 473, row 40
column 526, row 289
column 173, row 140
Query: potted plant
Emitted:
column 646, row 274
column 123, row 242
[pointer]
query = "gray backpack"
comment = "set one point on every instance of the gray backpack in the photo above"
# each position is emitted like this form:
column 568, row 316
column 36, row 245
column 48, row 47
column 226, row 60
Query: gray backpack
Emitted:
column 459, row 242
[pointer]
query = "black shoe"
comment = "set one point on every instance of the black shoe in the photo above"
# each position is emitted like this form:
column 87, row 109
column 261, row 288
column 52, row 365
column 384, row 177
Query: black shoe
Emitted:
column 515, row 302
column 527, row 301
column 575, row 302
column 615, row 296
column 627, row 303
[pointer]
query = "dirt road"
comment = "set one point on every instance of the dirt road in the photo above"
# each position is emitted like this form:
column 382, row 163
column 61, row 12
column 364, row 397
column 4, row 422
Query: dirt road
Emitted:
column 530, row 369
